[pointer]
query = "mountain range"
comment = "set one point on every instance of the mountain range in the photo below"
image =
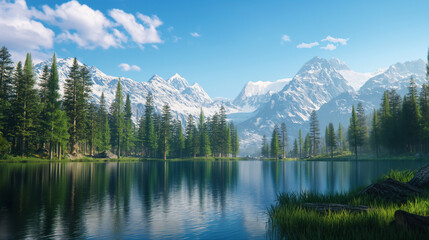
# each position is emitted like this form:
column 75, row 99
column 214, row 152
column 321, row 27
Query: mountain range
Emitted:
column 328, row 86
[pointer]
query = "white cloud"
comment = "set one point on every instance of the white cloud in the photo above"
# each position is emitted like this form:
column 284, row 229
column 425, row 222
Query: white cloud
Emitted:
column 307, row 45
column 329, row 47
column 139, row 33
column 155, row 46
column 285, row 38
column 342, row 41
column 81, row 24
column 195, row 34
column 18, row 29
column 126, row 67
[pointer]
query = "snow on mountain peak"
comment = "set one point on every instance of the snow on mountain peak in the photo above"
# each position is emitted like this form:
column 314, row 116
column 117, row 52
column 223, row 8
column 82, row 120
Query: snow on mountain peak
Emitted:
column 178, row 82
column 338, row 64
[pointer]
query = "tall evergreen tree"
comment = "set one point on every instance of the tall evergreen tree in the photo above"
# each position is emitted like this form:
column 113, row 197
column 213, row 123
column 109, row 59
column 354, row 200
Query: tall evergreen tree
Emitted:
column 128, row 126
column 117, row 111
column 340, row 138
column 314, row 131
column 300, row 143
column 295, row 150
column 71, row 106
column 284, row 139
column 141, row 136
column 204, row 137
column 51, row 105
column 265, row 149
column 235, row 145
column 375, row 133
column 189, row 142
column 165, row 129
column 6, row 79
column 332, row 139
column 150, row 141
column 104, row 128
column 26, row 105
column 275, row 146
column 360, row 111
column 354, row 134
column 411, row 117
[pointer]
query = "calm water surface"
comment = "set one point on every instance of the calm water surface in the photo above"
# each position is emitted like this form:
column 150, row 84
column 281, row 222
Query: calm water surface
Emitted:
column 156, row 200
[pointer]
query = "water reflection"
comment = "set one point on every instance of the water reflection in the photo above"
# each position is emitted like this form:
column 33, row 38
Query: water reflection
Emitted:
column 189, row 199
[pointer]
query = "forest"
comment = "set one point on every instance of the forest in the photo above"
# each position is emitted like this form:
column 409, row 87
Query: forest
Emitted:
column 36, row 121
column 400, row 126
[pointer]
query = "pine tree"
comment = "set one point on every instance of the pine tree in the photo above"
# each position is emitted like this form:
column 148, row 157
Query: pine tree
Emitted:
column 332, row 139
column 386, row 119
column 307, row 146
column 51, row 106
column 26, row 105
column 235, row 145
column 117, row 111
column 104, row 128
column 92, row 127
column 128, row 126
column 44, row 129
column 314, row 131
column 165, row 129
column 375, row 133
column 300, row 143
column 284, row 140
column 412, row 117
column 360, row 111
column 265, row 149
column 71, row 89
column 141, row 135
column 204, row 137
column 275, row 147
column 355, row 137
column 6, row 79
column 295, row 150
column 340, row 138
column 327, row 139
column 150, row 141
column 60, row 133
column 189, row 142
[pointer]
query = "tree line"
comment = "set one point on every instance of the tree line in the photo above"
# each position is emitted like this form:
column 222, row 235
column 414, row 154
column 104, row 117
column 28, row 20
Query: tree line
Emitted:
column 399, row 126
column 35, row 120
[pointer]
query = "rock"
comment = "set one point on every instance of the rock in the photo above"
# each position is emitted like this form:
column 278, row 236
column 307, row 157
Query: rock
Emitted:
column 405, row 219
column 106, row 154
column 421, row 179
column 334, row 207
column 75, row 156
column 391, row 190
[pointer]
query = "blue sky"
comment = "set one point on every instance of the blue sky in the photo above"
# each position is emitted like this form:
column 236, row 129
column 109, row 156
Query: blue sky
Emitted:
column 219, row 44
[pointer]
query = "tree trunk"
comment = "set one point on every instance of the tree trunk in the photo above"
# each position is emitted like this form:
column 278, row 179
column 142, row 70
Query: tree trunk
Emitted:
column 405, row 219
column 392, row 190
column 333, row 207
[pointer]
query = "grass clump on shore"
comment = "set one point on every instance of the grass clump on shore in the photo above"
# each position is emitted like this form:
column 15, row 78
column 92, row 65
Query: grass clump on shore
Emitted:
column 289, row 219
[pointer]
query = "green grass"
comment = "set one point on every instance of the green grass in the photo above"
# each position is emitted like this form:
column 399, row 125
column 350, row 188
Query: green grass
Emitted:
column 288, row 219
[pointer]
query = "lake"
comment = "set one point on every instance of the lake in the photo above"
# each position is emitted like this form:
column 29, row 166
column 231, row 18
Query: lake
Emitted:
column 164, row 200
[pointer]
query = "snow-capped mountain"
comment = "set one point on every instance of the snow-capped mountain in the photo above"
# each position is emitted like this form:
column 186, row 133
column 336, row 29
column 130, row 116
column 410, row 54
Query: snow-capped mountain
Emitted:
column 315, row 84
column 182, row 97
column 328, row 86
column 255, row 93
column 355, row 79
column 395, row 77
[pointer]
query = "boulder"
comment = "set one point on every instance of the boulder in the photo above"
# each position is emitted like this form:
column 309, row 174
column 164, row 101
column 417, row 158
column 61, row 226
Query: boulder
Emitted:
column 75, row 156
column 421, row 179
column 392, row 190
column 106, row 154
column 405, row 219
column 334, row 207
